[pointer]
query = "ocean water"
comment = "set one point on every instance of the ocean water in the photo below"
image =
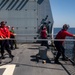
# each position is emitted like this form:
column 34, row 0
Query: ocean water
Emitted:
column 71, row 30
column 69, row 45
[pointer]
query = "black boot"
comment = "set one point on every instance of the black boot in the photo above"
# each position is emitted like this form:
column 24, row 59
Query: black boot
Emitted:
column 56, row 62
column 56, row 59
column 2, row 56
column 11, row 56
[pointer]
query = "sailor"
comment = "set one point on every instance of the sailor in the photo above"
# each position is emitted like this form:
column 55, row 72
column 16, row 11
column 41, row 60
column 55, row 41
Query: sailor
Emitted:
column 44, row 34
column 59, row 44
column 5, row 43
column 13, row 37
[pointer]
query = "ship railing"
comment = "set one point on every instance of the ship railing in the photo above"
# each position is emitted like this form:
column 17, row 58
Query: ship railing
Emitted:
column 69, row 43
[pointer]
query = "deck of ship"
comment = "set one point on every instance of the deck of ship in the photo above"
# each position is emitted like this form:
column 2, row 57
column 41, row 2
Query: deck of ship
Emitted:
column 25, row 63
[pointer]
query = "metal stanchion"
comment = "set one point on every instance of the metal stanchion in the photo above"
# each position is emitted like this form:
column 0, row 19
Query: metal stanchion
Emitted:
column 74, row 52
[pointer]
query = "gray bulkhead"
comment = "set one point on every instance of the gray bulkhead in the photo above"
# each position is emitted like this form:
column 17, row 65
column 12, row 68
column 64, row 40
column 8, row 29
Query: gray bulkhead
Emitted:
column 26, row 16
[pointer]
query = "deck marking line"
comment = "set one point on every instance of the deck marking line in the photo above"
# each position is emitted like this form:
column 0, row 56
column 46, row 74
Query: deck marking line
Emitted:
column 9, row 69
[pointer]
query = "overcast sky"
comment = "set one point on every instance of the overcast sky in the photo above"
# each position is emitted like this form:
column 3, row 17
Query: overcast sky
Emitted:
column 63, row 12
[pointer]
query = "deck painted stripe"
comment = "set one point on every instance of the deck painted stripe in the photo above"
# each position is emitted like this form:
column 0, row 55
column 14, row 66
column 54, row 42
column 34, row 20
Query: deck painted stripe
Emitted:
column 14, row 5
column 19, row 4
column 4, row 4
column 10, row 4
column 9, row 69
column 24, row 4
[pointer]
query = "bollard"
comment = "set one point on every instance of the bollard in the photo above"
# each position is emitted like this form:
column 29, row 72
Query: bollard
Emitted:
column 43, row 52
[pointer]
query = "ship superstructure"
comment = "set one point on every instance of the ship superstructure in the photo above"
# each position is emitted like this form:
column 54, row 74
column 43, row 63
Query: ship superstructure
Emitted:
column 26, row 15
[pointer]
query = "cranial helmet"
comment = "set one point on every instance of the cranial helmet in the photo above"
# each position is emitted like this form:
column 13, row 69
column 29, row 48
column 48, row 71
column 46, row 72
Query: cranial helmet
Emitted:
column 65, row 26
column 3, row 22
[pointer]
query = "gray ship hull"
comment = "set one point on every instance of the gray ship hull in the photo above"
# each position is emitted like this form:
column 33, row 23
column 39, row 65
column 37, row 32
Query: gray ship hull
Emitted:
column 26, row 16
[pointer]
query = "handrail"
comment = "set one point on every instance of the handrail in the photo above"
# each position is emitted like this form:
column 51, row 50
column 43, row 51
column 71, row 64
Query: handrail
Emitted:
column 30, row 38
column 38, row 39
column 74, row 52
